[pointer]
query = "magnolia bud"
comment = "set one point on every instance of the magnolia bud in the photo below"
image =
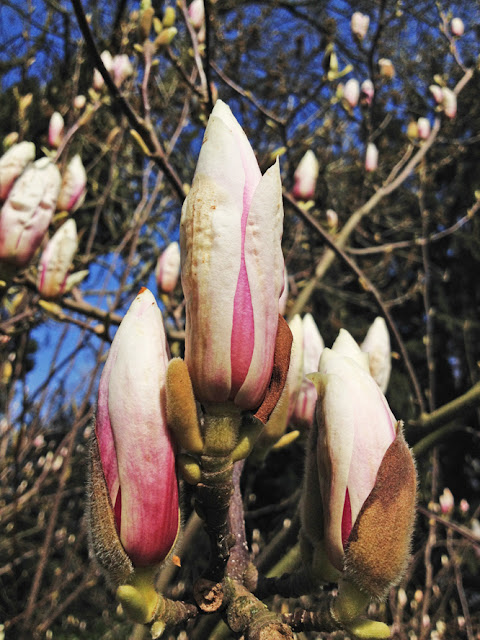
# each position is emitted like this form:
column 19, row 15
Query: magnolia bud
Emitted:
column 12, row 163
column 332, row 219
column 359, row 25
column 56, row 261
column 79, row 101
column 457, row 27
column 305, row 177
column 371, row 157
column 351, row 92
column 367, row 92
column 98, row 80
column 387, row 70
column 121, row 68
column 167, row 271
column 449, row 102
column 423, row 126
column 74, row 186
column 196, row 14
column 446, row 501
column 377, row 345
column 436, row 92
column 55, row 130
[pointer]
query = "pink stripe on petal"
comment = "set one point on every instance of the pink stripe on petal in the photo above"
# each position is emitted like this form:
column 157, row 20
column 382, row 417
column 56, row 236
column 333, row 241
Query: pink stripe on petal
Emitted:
column 346, row 519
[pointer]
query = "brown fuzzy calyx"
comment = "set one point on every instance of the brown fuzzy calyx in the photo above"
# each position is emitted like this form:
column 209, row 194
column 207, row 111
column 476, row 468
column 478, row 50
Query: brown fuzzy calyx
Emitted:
column 379, row 543
column 104, row 542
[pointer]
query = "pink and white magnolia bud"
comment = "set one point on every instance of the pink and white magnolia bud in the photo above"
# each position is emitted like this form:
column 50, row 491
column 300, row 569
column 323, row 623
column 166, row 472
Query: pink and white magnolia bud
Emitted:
column 79, row 101
column 457, row 27
column 367, row 91
column 196, row 14
column 359, row 25
column 365, row 470
column 27, row 212
column 313, row 346
column 232, row 267
column 98, row 80
column 74, row 186
column 371, row 157
column 346, row 346
column 305, row 177
column 464, row 506
column 447, row 502
column 449, row 102
column 56, row 128
column 423, row 128
column 167, row 271
column 377, row 345
column 282, row 301
column 121, row 68
column 387, row 70
column 437, row 93
column 12, row 164
column 56, row 261
column 332, row 219
column 136, row 451
column 351, row 92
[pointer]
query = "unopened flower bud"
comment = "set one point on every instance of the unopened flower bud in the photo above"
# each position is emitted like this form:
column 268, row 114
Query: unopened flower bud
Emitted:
column 305, row 177
column 332, row 219
column 359, row 24
column 377, row 345
column 457, row 27
column 74, row 186
column 367, row 91
column 79, row 102
column 464, row 506
column 121, row 68
column 449, row 102
column 387, row 70
column 12, row 163
column 56, row 261
column 423, row 126
column 98, row 80
column 196, row 14
column 371, row 157
column 55, row 130
column 27, row 212
column 447, row 502
column 351, row 92
column 167, row 270
column 437, row 92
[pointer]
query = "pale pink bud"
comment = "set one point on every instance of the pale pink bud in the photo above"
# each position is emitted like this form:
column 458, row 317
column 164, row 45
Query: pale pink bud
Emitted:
column 446, row 501
column 56, row 261
column 27, row 212
column 457, row 27
column 437, row 92
column 346, row 346
column 367, row 92
column 351, row 92
column 121, row 68
column 377, row 345
column 387, row 70
column 168, row 268
column 56, row 128
column 74, row 186
column 196, row 14
column 332, row 218
column 423, row 128
column 371, row 157
column 98, row 80
column 295, row 370
column 79, row 101
column 356, row 427
column 12, row 164
column 313, row 346
column 305, row 177
column 464, row 506
column 282, row 301
column 359, row 25
column 449, row 102
column 232, row 266
column 135, row 447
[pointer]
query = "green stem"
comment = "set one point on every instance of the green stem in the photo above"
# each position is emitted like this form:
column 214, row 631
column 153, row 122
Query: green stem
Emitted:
column 426, row 443
column 451, row 410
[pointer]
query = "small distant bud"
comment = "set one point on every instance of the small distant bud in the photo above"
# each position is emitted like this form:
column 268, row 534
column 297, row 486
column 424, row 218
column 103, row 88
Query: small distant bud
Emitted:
column 169, row 17
column 359, row 25
column 332, row 219
column 377, row 345
column 387, row 70
column 367, row 91
column 55, row 130
column 412, row 130
column 166, row 36
column 74, row 184
column 371, row 157
column 402, row 597
column 449, row 102
column 418, row 596
column 423, row 126
column 121, row 68
column 196, row 14
column 437, row 92
column 464, row 506
column 168, row 268
column 351, row 92
column 457, row 27
column 56, row 261
column 447, row 501
column 107, row 60
column 79, row 102
column 305, row 177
